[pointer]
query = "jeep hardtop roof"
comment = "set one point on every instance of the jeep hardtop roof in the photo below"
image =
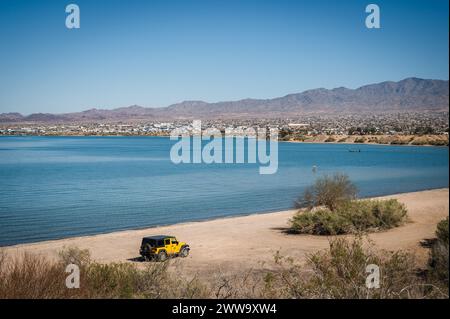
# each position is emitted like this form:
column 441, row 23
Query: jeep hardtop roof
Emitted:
column 158, row 237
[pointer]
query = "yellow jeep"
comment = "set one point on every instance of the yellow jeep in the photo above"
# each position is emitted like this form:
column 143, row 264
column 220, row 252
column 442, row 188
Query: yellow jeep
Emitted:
column 162, row 247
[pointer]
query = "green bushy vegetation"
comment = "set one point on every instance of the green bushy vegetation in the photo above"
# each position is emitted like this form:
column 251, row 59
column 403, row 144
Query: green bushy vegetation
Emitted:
column 439, row 255
column 332, row 209
column 351, row 217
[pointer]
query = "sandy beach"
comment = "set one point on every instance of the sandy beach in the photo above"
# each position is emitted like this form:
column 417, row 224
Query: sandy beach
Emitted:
column 233, row 245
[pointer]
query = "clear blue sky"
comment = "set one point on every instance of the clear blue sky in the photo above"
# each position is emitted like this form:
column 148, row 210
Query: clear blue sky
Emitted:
column 159, row 52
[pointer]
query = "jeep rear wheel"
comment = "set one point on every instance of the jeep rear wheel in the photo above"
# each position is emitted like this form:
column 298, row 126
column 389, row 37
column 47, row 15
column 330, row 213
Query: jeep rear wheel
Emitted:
column 184, row 252
column 162, row 256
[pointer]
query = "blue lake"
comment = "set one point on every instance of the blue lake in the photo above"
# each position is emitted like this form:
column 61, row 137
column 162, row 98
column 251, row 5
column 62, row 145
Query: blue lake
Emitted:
column 56, row 187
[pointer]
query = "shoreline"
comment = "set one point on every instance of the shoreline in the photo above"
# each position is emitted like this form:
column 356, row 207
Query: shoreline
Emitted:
column 205, row 220
column 217, row 245
column 279, row 141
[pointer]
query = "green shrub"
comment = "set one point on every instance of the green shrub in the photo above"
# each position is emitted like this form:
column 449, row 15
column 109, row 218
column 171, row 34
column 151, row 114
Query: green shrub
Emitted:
column 74, row 255
column 439, row 255
column 320, row 222
column 442, row 231
column 351, row 217
column 377, row 214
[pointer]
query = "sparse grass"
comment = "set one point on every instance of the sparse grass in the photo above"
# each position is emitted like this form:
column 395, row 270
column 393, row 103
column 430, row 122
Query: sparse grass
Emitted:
column 340, row 273
column 31, row 276
column 74, row 255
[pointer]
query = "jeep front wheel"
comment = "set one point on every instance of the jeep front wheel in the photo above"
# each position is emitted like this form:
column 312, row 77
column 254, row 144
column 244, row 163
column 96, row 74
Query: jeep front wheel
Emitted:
column 184, row 252
column 162, row 256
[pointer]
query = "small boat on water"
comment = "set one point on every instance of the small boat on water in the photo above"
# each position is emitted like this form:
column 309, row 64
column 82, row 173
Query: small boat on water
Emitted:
column 354, row 150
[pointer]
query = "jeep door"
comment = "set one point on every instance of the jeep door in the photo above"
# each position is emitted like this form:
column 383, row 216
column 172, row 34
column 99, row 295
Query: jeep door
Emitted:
column 168, row 246
column 175, row 247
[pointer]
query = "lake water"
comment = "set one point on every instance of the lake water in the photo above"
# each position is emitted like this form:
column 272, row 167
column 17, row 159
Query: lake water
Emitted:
column 56, row 187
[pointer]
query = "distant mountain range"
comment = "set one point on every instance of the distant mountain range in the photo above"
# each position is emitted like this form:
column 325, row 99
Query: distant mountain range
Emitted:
column 411, row 94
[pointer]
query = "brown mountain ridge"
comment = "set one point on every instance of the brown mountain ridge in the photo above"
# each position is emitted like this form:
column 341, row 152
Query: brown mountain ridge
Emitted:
column 411, row 94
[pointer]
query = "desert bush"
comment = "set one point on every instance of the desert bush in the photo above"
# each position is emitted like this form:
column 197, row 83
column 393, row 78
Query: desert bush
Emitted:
column 340, row 273
column 360, row 140
column 329, row 191
column 438, row 142
column 351, row 217
column 115, row 280
column 419, row 141
column 383, row 140
column 320, row 222
column 399, row 141
column 74, row 255
column 442, row 231
column 29, row 276
column 32, row 276
column 330, row 140
column 439, row 255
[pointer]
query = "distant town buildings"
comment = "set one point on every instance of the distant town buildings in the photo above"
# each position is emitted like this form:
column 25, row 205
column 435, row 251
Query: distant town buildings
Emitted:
column 414, row 123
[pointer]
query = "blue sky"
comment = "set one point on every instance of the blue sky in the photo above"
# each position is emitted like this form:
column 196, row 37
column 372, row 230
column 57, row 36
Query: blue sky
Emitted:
column 159, row 52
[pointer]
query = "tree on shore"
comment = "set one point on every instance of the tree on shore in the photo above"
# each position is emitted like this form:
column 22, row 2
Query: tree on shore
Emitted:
column 330, row 191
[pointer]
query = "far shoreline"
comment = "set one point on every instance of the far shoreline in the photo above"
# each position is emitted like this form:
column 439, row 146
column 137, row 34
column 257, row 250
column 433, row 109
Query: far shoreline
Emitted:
column 279, row 141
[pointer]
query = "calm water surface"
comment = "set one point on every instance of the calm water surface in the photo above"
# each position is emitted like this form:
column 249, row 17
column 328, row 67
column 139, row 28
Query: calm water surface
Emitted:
column 55, row 187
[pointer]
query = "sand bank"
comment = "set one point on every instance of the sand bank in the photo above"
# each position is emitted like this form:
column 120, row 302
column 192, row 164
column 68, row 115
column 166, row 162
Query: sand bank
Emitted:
column 232, row 245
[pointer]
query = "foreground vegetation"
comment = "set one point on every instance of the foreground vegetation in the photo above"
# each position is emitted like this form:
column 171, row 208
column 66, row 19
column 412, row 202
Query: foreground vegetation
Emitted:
column 339, row 272
column 332, row 209
column 30, row 276
column 438, row 263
